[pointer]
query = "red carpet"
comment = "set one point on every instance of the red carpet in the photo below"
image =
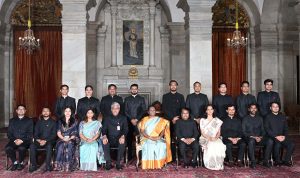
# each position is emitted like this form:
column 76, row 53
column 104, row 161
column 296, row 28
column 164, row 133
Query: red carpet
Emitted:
column 170, row 171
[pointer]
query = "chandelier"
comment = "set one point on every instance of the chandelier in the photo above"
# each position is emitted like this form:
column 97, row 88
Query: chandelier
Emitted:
column 29, row 42
column 237, row 41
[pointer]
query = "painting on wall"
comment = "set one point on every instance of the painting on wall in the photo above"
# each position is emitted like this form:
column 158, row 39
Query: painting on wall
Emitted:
column 133, row 42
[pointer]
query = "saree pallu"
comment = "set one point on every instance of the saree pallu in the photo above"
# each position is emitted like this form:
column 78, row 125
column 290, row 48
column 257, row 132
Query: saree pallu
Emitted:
column 155, row 154
column 213, row 151
column 89, row 151
column 67, row 154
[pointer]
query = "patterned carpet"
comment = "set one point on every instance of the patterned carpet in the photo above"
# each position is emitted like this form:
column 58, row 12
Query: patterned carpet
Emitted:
column 168, row 172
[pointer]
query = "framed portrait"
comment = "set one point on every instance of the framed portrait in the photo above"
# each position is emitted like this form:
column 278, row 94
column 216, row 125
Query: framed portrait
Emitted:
column 133, row 42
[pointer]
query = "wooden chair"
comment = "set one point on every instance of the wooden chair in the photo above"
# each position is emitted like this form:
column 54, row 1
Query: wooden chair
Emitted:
column 7, row 166
column 235, row 147
column 260, row 149
column 40, row 150
column 125, row 154
column 199, row 156
column 138, row 148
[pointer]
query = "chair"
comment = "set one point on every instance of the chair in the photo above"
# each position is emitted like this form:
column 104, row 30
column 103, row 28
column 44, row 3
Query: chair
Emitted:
column 125, row 154
column 7, row 167
column 40, row 150
column 236, row 147
column 281, row 155
column 199, row 156
column 260, row 149
column 138, row 148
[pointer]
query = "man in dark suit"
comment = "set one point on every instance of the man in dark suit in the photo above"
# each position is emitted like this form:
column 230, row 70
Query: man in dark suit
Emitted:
column 135, row 107
column 232, row 134
column 244, row 100
column 44, row 137
column 277, row 129
column 197, row 102
column 64, row 101
column 114, row 131
column 187, row 136
column 265, row 98
column 20, row 130
column 107, row 100
column 221, row 100
column 172, row 103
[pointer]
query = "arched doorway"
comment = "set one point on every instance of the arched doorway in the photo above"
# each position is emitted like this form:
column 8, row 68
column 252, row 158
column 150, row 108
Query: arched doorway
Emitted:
column 37, row 76
column 228, row 65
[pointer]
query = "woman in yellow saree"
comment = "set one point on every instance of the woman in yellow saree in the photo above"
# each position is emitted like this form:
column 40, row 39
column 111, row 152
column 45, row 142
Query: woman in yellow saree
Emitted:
column 155, row 141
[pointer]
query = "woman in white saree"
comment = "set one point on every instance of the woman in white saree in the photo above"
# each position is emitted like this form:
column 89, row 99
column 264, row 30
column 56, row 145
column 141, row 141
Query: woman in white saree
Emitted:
column 212, row 146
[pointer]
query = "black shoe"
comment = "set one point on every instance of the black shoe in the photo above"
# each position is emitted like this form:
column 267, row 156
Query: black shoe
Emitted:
column 277, row 163
column 119, row 167
column 239, row 163
column 185, row 165
column 108, row 166
column 230, row 164
column 20, row 167
column 32, row 169
column 266, row 164
column 194, row 164
column 14, row 167
column 48, row 169
column 289, row 163
column 253, row 165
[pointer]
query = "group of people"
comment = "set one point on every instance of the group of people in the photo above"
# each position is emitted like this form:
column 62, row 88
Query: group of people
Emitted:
column 84, row 136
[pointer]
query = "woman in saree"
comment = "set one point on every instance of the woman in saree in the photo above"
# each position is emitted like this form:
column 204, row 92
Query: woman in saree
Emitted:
column 66, row 157
column 89, row 132
column 212, row 146
column 155, row 141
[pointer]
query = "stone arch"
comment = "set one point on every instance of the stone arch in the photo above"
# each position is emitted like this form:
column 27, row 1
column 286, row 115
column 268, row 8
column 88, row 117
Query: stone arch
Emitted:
column 252, row 12
column 163, row 3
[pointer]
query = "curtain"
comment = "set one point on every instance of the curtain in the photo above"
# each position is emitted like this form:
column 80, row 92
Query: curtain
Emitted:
column 37, row 77
column 228, row 66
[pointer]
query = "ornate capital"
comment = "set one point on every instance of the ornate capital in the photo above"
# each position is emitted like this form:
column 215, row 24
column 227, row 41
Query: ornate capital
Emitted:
column 152, row 4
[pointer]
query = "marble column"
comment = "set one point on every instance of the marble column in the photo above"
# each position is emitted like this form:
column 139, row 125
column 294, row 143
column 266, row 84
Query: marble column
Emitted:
column 178, row 60
column 101, row 35
column 165, row 55
column 297, row 9
column 198, row 23
column 74, row 38
column 114, row 12
column 152, row 5
column 91, row 61
column 269, row 55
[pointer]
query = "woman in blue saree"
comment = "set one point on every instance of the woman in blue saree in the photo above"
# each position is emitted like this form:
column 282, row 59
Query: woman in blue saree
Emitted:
column 66, row 159
column 89, row 132
column 155, row 141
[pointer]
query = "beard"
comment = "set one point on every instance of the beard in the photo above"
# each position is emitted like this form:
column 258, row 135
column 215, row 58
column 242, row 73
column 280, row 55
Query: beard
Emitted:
column 253, row 113
column 134, row 93
column 173, row 90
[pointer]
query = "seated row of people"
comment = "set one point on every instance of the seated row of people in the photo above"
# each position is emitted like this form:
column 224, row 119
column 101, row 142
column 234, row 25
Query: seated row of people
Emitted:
column 218, row 137
column 80, row 148
column 271, row 133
